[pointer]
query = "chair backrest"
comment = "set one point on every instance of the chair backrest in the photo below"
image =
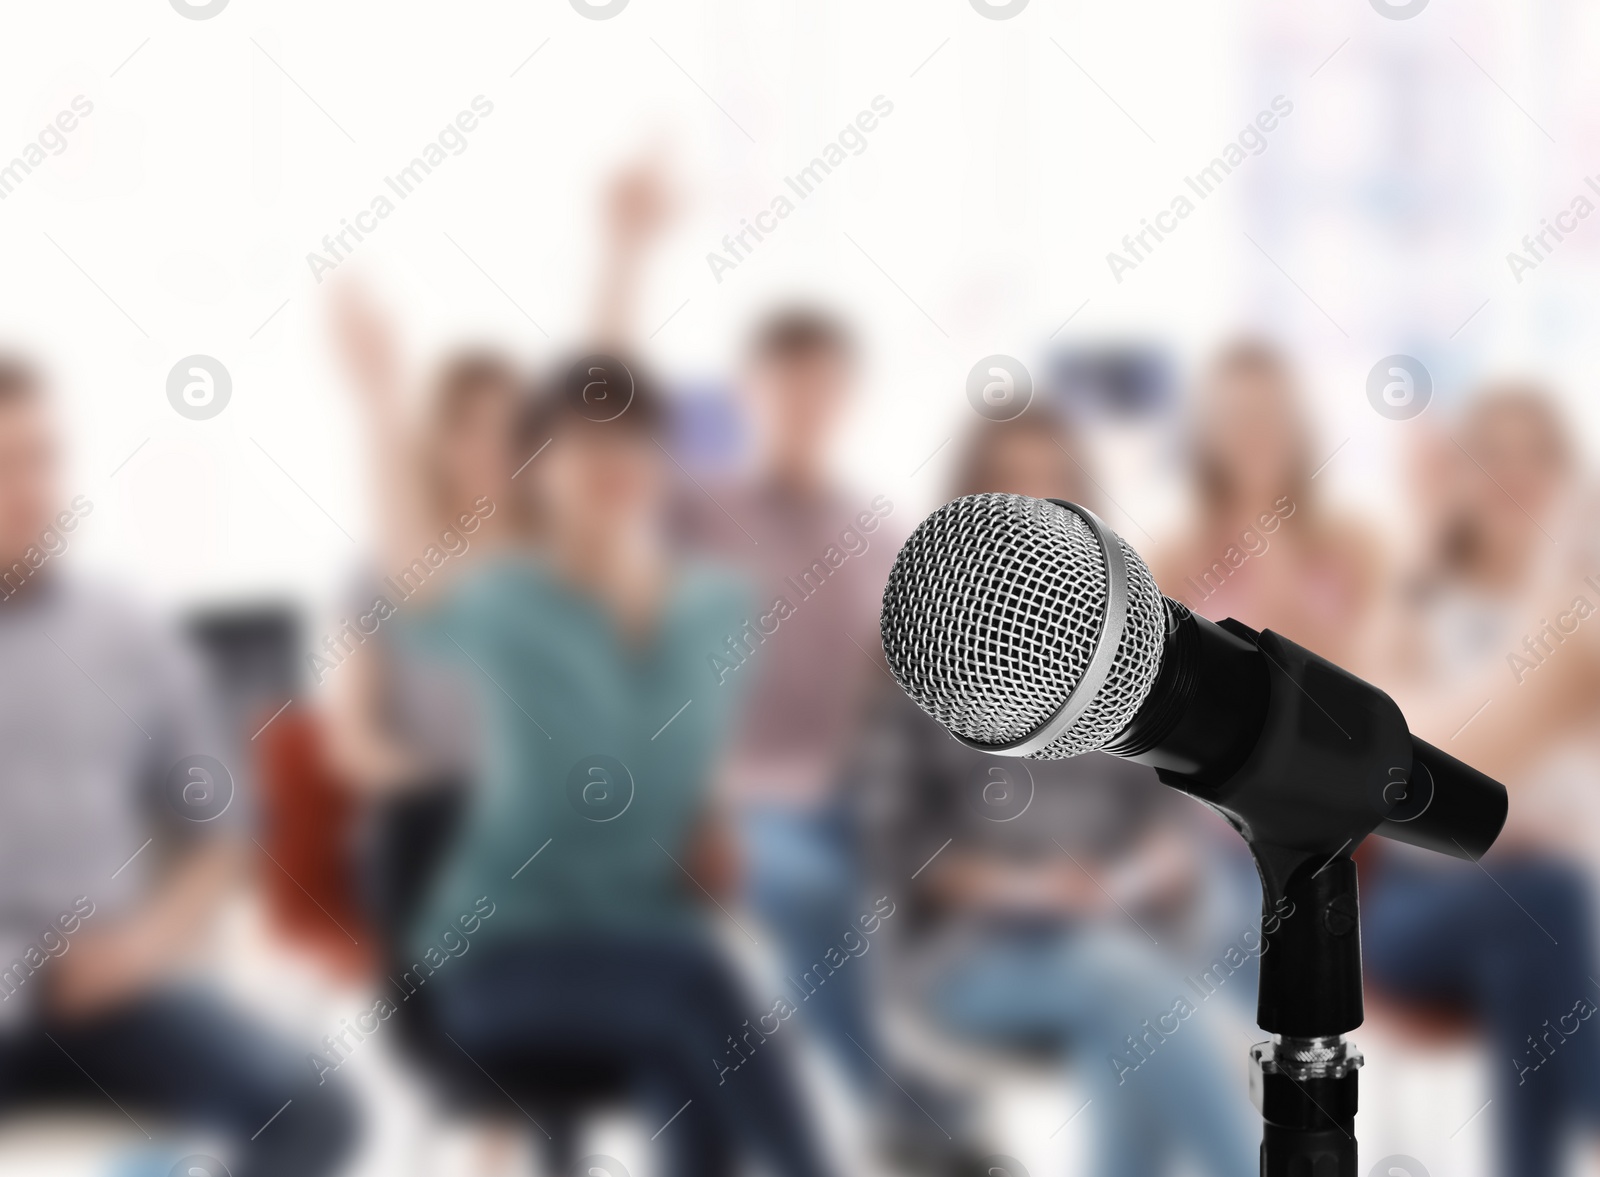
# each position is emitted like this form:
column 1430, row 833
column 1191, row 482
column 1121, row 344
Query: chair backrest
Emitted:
column 308, row 819
column 404, row 843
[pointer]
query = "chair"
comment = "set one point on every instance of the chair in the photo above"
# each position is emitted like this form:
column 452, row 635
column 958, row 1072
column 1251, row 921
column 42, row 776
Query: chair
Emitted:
column 406, row 841
column 307, row 820
column 252, row 657
column 1435, row 1024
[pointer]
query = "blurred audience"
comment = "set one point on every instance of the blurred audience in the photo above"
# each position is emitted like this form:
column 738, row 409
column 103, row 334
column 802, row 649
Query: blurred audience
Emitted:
column 1494, row 663
column 1036, row 893
column 121, row 837
column 819, row 555
column 1467, row 630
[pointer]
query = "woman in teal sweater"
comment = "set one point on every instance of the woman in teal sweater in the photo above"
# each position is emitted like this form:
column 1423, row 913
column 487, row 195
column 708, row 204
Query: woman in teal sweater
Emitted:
column 569, row 925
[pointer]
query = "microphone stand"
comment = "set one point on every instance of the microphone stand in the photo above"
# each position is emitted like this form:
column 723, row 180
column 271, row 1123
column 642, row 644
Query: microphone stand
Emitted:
column 1304, row 1081
column 1333, row 763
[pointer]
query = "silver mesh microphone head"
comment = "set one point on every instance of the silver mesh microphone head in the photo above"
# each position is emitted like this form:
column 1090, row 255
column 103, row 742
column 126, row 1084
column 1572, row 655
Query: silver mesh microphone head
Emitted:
column 1025, row 626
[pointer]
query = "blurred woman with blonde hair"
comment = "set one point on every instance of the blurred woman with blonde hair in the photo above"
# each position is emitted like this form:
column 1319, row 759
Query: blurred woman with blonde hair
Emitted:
column 1262, row 546
column 1495, row 662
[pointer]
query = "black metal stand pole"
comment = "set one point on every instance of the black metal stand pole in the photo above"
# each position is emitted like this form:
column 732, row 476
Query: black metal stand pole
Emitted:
column 1304, row 1081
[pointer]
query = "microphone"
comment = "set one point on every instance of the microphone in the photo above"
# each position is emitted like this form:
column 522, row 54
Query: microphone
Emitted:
column 1027, row 627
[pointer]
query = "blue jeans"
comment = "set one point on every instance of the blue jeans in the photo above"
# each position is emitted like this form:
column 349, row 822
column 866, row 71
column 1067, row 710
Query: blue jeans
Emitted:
column 802, row 881
column 1085, row 992
column 186, row 1057
column 663, row 1011
column 1514, row 945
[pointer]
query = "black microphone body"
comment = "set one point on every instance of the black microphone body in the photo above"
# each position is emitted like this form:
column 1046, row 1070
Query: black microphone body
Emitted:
column 1305, row 760
column 1208, row 712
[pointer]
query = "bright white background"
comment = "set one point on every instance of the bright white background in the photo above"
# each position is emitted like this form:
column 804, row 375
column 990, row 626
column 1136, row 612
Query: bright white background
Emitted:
column 179, row 217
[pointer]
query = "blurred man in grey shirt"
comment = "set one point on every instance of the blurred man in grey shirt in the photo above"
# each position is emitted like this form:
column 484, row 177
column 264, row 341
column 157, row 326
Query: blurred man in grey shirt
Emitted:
column 818, row 556
column 119, row 835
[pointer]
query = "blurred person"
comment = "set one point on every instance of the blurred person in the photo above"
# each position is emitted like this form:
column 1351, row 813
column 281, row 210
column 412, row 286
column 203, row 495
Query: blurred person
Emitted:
column 1481, row 669
column 1260, row 544
column 824, row 553
column 639, row 204
column 403, row 731
column 1034, row 889
column 404, row 734
column 592, row 833
column 104, row 711
column 396, row 729
column 1262, row 547
column 396, row 726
